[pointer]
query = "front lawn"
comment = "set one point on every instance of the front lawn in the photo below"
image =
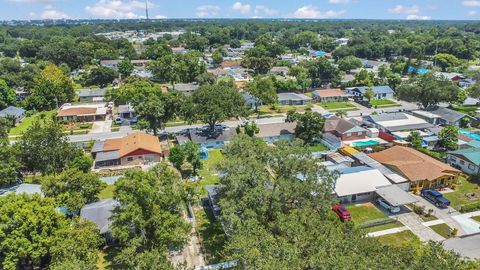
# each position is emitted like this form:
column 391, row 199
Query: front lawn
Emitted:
column 362, row 213
column 211, row 234
column 29, row 120
column 279, row 109
column 442, row 229
column 466, row 109
column 107, row 192
column 459, row 197
column 398, row 239
column 336, row 105
column 383, row 103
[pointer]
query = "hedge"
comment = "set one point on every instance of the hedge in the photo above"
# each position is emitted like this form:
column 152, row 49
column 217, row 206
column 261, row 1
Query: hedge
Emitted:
column 470, row 207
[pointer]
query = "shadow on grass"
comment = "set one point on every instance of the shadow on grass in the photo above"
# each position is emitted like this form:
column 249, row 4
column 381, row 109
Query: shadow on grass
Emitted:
column 212, row 235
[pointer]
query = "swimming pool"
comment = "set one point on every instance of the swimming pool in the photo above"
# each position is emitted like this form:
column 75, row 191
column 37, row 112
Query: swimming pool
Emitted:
column 365, row 143
column 470, row 134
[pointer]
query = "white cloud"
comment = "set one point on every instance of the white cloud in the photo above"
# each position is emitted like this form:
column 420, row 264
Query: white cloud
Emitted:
column 399, row 9
column 118, row 9
column 471, row 3
column 52, row 14
column 418, row 17
column 311, row 12
column 340, row 1
column 264, row 10
column 160, row 17
column 472, row 13
column 242, row 8
column 207, row 10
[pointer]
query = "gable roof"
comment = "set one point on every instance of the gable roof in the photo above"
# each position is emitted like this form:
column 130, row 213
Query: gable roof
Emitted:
column 330, row 93
column 13, row 111
column 341, row 126
column 121, row 147
column 413, row 164
column 92, row 92
column 449, row 115
column 100, row 213
column 293, row 96
column 472, row 154
column 204, row 135
column 384, row 89
column 276, row 129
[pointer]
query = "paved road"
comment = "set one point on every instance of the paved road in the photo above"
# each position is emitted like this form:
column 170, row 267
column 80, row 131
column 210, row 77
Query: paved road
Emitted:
column 468, row 246
column 362, row 110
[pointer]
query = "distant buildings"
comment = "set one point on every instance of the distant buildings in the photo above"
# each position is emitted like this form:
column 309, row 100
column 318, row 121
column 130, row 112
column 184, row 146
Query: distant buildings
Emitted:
column 15, row 112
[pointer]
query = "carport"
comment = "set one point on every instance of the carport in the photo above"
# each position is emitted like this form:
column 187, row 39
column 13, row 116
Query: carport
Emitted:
column 395, row 195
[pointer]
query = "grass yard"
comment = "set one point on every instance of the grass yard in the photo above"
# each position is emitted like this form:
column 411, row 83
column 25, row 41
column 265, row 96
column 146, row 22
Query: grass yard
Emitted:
column 281, row 109
column 477, row 218
column 211, row 234
column 398, row 239
column 364, row 212
column 383, row 227
column 318, row 147
column 334, row 105
column 459, row 198
column 466, row 109
column 208, row 173
column 29, row 120
column 442, row 229
column 383, row 103
column 429, row 218
column 107, row 192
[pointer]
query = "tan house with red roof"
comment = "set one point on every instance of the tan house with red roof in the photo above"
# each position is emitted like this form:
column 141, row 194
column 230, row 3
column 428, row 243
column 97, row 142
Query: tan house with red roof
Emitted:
column 330, row 95
column 133, row 149
column 82, row 112
column 423, row 171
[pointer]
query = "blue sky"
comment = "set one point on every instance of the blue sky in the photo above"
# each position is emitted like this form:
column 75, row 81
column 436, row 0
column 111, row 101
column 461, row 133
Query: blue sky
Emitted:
column 320, row 9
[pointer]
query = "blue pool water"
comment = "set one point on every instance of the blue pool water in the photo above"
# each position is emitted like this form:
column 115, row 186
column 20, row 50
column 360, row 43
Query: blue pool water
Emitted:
column 365, row 143
column 470, row 134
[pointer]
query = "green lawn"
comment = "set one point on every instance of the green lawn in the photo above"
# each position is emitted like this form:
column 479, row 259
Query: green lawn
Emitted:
column 266, row 109
column 442, row 229
column 107, row 192
column 28, row 121
column 398, row 239
column 337, row 105
column 429, row 218
column 383, row 103
column 477, row 218
column 212, row 235
column 318, row 147
column 364, row 212
column 208, row 173
column 383, row 227
column 458, row 198
column 465, row 109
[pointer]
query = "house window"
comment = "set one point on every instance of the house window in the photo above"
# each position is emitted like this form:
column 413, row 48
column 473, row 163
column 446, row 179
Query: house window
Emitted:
column 359, row 133
column 471, row 167
column 462, row 162
column 349, row 134
column 129, row 158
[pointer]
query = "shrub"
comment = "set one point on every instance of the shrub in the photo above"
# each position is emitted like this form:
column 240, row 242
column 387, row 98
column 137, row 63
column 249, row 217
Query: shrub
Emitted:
column 470, row 207
column 419, row 210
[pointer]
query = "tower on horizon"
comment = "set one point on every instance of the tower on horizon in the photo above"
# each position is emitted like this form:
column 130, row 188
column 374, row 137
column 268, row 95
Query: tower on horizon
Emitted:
column 146, row 9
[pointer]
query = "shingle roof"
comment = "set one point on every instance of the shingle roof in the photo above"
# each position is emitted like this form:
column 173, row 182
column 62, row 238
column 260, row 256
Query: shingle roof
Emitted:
column 204, row 135
column 120, row 147
column 414, row 164
column 472, row 154
column 77, row 112
column 13, row 111
column 276, row 129
column 99, row 213
column 449, row 115
column 341, row 126
column 293, row 96
column 92, row 92
column 330, row 93
column 385, row 89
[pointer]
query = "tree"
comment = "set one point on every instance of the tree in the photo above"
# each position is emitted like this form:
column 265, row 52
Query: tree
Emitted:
column 83, row 163
column 348, row 63
column 7, row 95
column 165, row 69
column 309, row 126
column 45, row 148
column 72, row 188
column 125, row 68
column 448, row 137
column 445, row 60
column 217, row 58
column 263, row 90
column 321, row 71
column 188, row 152
column 251, row 129
column 428, row 90
column 212, row 104
column 415, row 139
column 258, row 60
column 177, row 156
column 149, row 215
column 369, row 94
column 51, row 88
column 101, row 76
column 301, row 76
column 341, row 113
column 9, row 164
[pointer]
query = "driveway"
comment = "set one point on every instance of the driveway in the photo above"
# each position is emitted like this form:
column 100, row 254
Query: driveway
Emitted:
column 414, row 223
column 101, row 126
column 362, row 110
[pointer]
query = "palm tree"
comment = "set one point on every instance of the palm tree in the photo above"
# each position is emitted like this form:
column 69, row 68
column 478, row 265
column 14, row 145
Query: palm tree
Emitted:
column 341, row 114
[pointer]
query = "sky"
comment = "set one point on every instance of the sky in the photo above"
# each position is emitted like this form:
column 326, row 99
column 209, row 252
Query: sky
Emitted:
column 319, row 9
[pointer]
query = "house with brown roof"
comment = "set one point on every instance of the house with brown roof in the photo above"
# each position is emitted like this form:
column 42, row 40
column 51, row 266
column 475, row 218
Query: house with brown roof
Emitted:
column 344, row 129
column 271, row 133
column 83, row 112
column 421, row 170
column 133, row 149
column 329, row 95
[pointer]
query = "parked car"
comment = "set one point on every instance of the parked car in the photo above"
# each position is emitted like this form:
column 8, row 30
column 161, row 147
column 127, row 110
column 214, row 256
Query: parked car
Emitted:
column 385, row 204
column 342, row 212
column 118, row 120
column 435, row 198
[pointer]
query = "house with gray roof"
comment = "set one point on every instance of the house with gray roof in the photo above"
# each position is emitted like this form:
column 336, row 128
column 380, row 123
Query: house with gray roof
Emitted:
column 344, row 129
column 291, row 98
column 23, row 188
column 399, row 121
column 100, row 213
column 15, row 112
column 185, row 88
column 207, row 138
column 91, row 95
column 380, row 92
column 212, row 192
column 271, row 133
column 451, row 117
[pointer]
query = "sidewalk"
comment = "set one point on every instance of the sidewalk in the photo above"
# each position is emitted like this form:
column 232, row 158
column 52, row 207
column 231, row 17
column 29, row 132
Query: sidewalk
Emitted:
column 389, row 231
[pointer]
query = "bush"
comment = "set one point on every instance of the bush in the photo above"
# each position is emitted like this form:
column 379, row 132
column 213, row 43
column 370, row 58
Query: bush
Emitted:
column 470, row 207
column 419, row 210
column 84, row 126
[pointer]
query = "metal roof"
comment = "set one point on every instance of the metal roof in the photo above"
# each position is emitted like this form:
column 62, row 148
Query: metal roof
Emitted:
column 364, row 158
column 104, row 156
column 100, row 213
column 395, row 195
column 12, row 110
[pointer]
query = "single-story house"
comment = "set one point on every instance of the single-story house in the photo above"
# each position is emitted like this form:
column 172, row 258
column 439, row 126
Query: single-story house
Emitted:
column 206, row 137
column 113, row 64
column 467, row 160
column 83, row 112
column 293, row 99
column 344, row 129
column 133, row 149
column 271, row 133
column 126, row 111
column 91, row 95
column 100, row 213
column 372, row 64
column 380, row 92
column 23, row 188
column 329, row 95
column 466, row 83
column 280, row 71
column 251, row 100
column 398, row 121
column 12, row 111
column 421, row 170
column 212, row 192
column 451, row 76
column 185, row 88
column 451, row 117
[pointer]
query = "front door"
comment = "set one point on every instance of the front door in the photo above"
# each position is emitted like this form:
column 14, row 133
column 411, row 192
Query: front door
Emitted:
column 354, row 197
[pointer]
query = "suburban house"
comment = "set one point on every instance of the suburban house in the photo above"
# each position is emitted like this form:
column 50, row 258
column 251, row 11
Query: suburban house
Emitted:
column 91, row 95
column 133, row 149
column 344, row 129
column 279, row 71
column 466, row 83
column 399, row 121
column 206, row 137
column 451, row 117
column 451, row 76
column 421, row 170
column 372, row 64
column 467, row 160
column 113, row 64
column 185, row 88
column 126, row 111
column 23, row 188
column 293, row 99
column 11, row 111
column 100, row 213
column 83, row 112
column 329, row 95
column 251, row 100
column 380, row 92
column 359, row 183
column 271, row 133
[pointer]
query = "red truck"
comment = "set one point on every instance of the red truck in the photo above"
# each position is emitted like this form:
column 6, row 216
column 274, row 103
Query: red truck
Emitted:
column 342, row 213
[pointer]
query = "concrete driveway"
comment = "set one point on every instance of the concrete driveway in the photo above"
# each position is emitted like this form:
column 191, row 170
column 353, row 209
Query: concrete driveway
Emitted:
column 101, row 126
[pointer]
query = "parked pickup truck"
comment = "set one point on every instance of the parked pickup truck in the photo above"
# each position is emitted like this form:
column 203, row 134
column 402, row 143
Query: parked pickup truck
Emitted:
column 435, row 198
